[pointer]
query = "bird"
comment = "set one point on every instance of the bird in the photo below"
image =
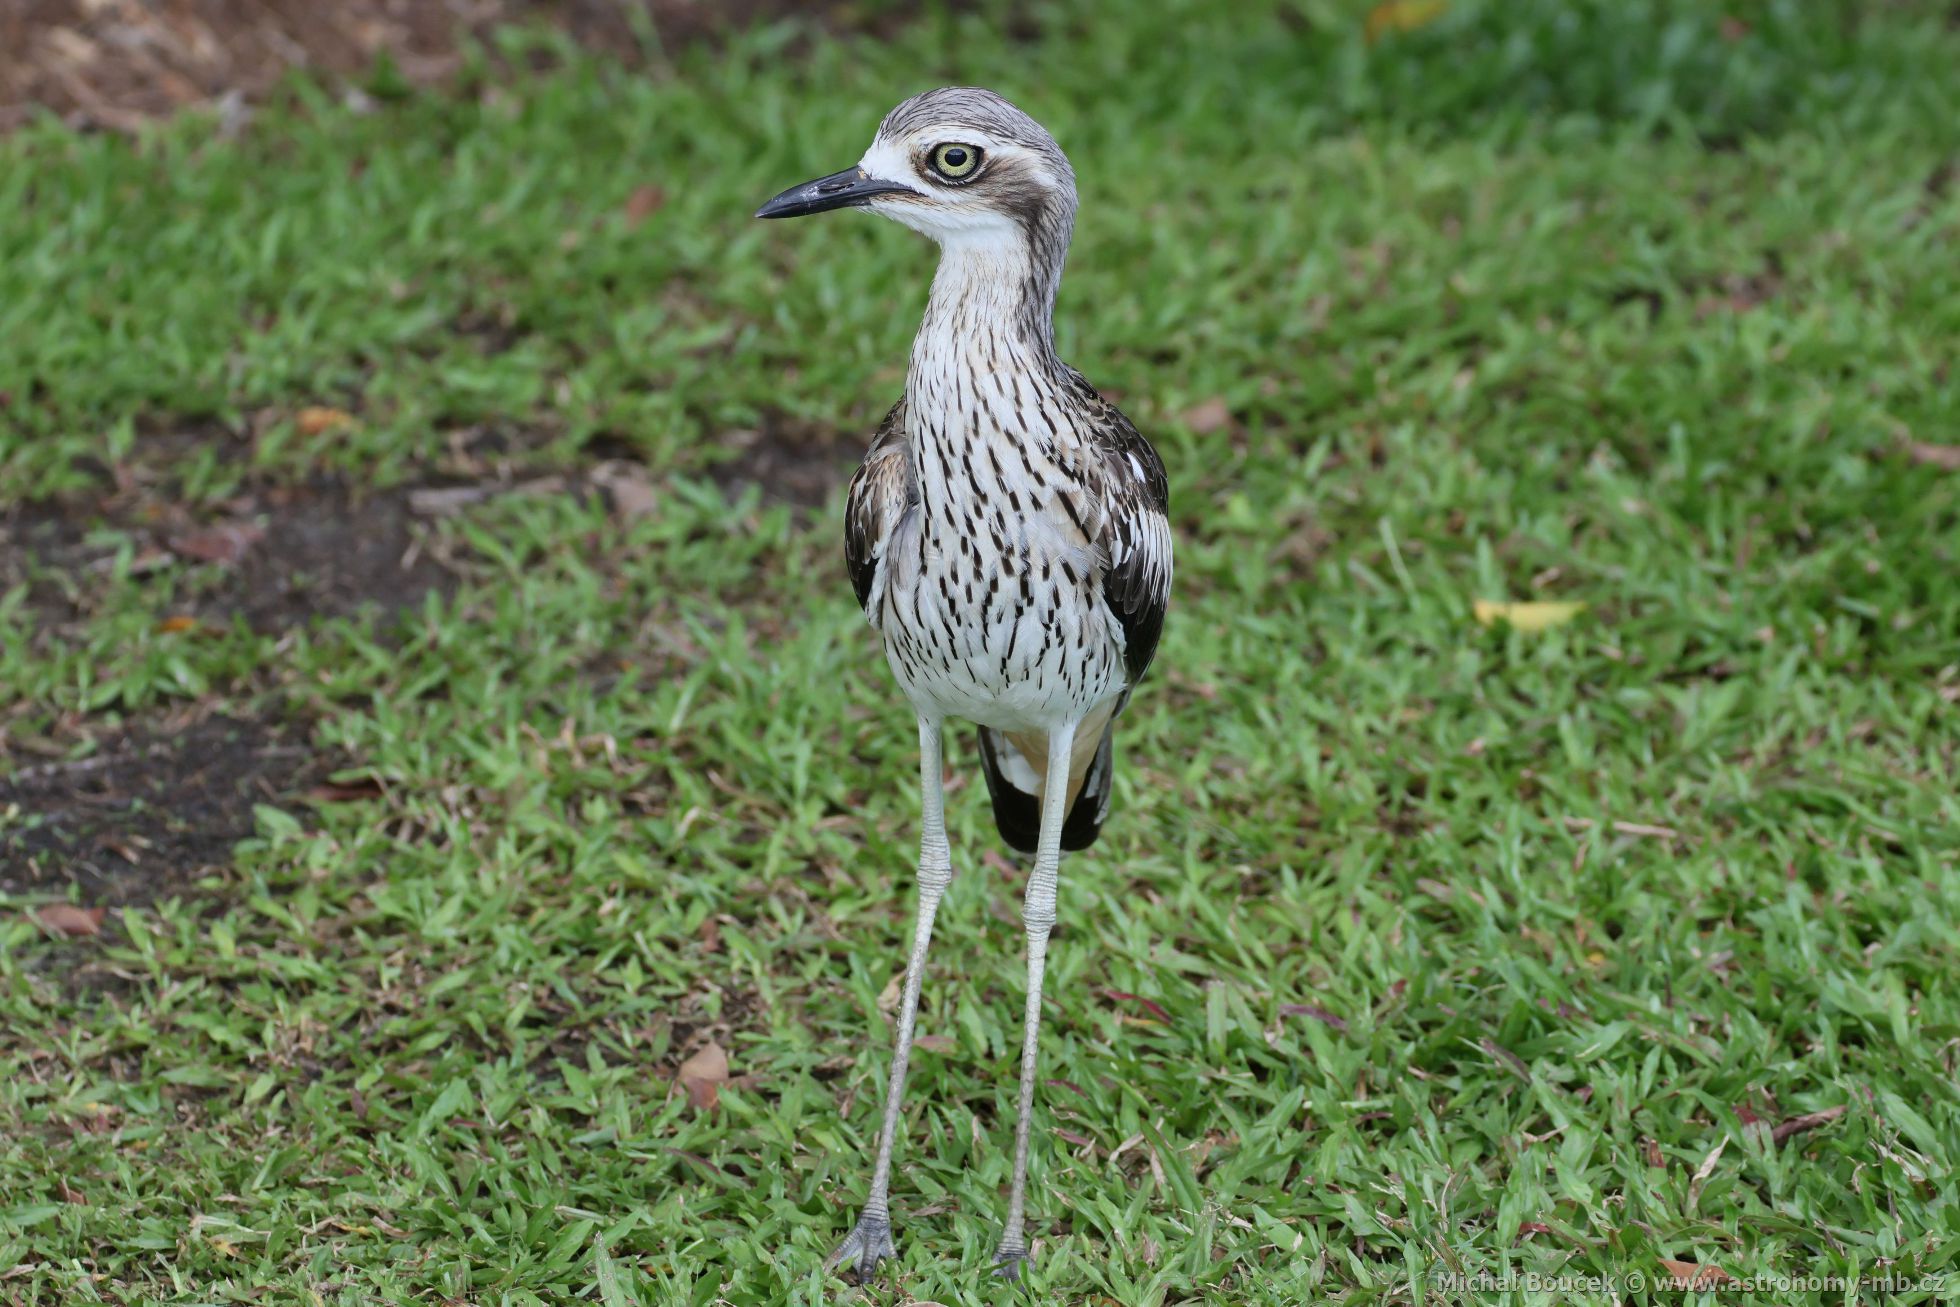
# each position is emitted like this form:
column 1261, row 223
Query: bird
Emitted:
column 1007, row 535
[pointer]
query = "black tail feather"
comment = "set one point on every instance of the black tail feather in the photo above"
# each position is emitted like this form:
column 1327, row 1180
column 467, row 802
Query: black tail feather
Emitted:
column 1018, row 813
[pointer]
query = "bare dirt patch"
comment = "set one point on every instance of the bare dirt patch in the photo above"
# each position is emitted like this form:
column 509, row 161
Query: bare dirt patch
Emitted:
column 788, row 461
column 276, row 557
column 116, row 63
column 148, row 808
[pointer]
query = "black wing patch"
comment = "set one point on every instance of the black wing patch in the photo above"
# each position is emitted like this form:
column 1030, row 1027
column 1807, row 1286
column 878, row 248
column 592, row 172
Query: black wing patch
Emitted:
column 881, row 491
column 1136, row 535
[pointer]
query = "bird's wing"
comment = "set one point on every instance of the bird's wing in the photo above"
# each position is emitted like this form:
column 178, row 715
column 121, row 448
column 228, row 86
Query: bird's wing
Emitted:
column 880, row 493
column 1134, row 534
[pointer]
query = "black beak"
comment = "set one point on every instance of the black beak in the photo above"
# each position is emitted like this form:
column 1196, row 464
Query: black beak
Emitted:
column 849, row 189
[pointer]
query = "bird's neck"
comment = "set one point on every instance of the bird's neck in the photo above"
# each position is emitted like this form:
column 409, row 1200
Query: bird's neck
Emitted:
column 992, row 310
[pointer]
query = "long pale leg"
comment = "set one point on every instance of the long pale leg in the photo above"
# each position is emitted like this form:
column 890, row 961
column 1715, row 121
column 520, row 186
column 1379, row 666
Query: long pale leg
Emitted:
column 871, row 1241
column 1038, row 913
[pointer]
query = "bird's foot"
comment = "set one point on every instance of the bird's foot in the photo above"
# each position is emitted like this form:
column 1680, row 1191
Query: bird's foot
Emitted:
column 1008, row 1262
column 868, row 1243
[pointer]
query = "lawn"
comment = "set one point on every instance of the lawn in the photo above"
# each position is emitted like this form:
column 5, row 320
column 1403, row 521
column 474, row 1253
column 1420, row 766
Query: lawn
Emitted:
column 434, row 710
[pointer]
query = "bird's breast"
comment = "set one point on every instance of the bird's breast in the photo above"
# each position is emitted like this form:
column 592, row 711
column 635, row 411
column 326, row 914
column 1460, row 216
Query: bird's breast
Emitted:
column 993, row 608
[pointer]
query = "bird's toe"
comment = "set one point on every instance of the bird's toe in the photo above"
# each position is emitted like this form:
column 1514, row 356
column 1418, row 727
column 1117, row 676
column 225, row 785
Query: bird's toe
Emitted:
column 869, row 1243
column 1008, row 1263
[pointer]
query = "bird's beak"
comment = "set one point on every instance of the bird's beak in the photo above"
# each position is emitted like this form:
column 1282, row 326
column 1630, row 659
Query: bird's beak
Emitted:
column 849, row 189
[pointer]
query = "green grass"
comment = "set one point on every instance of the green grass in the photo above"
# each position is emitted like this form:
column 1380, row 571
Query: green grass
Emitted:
column 1542, row 301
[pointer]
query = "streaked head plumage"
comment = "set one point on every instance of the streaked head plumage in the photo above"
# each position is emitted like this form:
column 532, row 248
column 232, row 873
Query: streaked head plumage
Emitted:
column 960, row 164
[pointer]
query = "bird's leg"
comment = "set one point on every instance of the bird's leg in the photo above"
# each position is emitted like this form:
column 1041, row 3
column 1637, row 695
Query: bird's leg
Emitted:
column 871, row 1241
column 1038, row 914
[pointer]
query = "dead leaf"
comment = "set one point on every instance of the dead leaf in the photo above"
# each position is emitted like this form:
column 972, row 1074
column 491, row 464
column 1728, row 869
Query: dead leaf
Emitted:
column 1401, row 16
column 1518, row 1065
column 1208, row 417
column 1319, row 1014
column 891, row 994
column 628, row 491
column 1702, row 1172
column 317, row 421
column 703, row 1075
column 176, row 625
column 70, row 1195
column 447, row 501
column 66, row 921
column 941, row 1044
column 1654, row 1157
column 1525, row 616
column 1534, row 1227
column 1796, row 1125
column 1693, row 1275
column 1944, row 457
column 710, row 935
column 350, row 791
column 225, row 543
column 1155, row 1009
column 643, row 203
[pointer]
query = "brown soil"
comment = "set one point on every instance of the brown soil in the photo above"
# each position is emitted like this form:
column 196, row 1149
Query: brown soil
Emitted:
column 149, row 809
column 275, row 558
column 115, row 63
column 788, row 462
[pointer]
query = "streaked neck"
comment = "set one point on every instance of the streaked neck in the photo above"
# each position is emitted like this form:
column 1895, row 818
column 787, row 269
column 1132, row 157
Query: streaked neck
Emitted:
column 992, row 308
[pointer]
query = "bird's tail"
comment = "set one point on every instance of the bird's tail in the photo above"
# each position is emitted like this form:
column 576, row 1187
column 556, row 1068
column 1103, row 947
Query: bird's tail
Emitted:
column 1016, row 764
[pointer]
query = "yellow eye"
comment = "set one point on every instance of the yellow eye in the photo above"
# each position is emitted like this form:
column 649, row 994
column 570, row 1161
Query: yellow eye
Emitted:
column 954, row 161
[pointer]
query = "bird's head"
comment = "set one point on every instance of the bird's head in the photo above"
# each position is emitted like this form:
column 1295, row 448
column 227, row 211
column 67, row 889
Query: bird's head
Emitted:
column 961, row 165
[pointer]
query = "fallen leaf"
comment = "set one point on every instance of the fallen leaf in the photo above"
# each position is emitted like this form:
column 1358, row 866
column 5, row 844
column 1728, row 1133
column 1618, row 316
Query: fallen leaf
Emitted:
column 1702, row 1172
column 643, row 203
column 628, row 491
column 66, row 921
column 1319, row 1014
column 1155, row 1009
column 317, row 421
column 226, row 542
column 1693, row 1275
column 1517, row 1064
column 70, row 1195
column 1796, row 1125
column 710, row 935
column 1401, row 16
column 1654, row 1157
column 703, row 1075
column 1534, row 1227
column 941, row 1044
column 1525, row 616
column 351, row 791
column 1207, row 418
column 889, row 996
column 447, row 501
column 176, row 625
column 1944, row 457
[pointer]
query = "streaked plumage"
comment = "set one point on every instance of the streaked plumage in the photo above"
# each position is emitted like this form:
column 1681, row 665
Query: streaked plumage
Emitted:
column 1006, row 534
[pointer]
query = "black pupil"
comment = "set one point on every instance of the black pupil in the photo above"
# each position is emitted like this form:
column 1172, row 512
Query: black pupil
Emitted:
column 954, row 158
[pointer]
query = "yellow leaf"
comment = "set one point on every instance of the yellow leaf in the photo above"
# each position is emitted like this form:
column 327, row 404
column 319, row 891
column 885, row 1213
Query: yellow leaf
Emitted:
column 1526, row 616
column 317, row 421
column 1402, row 16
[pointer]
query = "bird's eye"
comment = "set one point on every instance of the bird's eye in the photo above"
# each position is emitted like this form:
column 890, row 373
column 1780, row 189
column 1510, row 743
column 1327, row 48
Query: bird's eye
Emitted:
column 955, row 162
